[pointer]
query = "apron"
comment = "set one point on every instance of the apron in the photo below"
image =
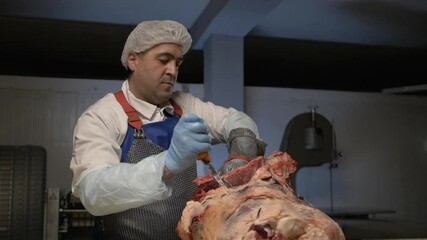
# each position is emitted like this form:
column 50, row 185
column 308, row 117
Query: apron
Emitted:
column 157, row 220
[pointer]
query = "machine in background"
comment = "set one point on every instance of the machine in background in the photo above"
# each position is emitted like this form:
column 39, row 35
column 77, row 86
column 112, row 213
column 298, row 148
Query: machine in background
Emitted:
column 22, row 192
column 29, row 211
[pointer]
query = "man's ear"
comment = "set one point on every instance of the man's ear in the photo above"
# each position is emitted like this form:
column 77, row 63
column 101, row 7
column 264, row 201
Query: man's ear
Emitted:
column 132, row 61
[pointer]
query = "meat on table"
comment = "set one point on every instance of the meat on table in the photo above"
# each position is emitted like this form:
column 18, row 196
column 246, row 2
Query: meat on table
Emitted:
column 259, row 203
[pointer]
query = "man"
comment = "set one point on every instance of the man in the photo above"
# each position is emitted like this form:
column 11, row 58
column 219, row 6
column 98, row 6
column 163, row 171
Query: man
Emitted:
column 135, row 151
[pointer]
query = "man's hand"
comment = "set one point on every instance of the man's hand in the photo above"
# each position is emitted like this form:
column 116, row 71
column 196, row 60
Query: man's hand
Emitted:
column 242, row 146
column 190, row 137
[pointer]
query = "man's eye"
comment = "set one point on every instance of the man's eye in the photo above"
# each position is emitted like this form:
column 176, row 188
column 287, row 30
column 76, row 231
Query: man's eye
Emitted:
column 164, row 61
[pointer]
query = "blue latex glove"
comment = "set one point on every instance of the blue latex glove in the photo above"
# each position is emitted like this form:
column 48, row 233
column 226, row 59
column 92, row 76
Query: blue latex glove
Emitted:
column 190, row 137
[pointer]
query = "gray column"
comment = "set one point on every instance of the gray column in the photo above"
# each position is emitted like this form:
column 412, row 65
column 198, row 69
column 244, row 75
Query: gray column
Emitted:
column 223, row 71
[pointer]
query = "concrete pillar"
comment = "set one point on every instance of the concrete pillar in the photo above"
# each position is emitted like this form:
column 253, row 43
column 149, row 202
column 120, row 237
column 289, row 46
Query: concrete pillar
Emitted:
column 223, row 82
column 223, row 71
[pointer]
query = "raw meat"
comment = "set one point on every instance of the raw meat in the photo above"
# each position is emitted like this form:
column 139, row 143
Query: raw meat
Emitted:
column 258, row 204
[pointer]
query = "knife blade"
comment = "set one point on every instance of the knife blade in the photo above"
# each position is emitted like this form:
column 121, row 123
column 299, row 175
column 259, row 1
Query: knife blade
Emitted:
column 206, row 159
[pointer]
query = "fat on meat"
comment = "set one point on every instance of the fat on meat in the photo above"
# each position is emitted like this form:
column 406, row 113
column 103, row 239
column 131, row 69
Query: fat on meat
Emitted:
column 259, row 203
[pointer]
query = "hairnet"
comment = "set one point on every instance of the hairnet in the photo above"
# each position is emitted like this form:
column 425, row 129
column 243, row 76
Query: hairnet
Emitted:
column 151, row 33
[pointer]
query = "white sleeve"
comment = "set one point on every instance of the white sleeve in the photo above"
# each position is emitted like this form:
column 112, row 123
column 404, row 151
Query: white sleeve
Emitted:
column 219, row 120
column 97, row 137
column 214, row 115
column 239, row 120
column 124, row 186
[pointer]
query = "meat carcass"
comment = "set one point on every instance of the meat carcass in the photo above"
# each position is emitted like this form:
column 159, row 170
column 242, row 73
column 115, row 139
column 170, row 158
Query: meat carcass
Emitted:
column 259, row 203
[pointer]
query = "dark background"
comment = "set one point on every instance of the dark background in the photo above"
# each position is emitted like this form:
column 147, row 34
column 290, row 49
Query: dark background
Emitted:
column 71, row 49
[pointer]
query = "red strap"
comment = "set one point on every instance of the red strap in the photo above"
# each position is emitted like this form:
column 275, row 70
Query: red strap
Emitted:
column 176, row 107
column 133, row 118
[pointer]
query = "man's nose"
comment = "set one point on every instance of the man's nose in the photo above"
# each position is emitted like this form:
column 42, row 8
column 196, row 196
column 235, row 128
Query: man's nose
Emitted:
column 172, row 69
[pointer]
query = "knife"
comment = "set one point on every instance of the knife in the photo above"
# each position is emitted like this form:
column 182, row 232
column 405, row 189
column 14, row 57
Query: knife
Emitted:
column 206, row 159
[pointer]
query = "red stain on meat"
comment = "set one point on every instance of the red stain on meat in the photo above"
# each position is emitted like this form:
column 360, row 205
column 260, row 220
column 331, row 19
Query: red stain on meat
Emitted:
column 259, row 203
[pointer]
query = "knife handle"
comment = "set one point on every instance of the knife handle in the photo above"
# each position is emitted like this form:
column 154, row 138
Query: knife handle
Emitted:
column 204, row 156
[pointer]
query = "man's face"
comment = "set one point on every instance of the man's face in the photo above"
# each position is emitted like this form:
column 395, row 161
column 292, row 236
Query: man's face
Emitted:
column 155, row 72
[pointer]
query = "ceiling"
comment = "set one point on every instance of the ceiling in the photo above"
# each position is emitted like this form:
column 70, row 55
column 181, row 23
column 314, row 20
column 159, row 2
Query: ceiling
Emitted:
column 348, row 45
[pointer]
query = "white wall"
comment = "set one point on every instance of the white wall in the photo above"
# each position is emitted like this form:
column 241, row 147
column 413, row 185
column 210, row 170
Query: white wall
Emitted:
column 383, row 137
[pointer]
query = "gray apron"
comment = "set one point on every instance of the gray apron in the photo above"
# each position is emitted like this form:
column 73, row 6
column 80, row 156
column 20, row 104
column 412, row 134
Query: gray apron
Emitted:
column 157, row 220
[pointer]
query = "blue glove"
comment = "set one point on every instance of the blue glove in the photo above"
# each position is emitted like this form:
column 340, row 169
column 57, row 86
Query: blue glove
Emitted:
column 190, row 137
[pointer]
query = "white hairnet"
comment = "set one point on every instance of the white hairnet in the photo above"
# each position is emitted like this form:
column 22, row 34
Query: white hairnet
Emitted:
column 151, row 33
